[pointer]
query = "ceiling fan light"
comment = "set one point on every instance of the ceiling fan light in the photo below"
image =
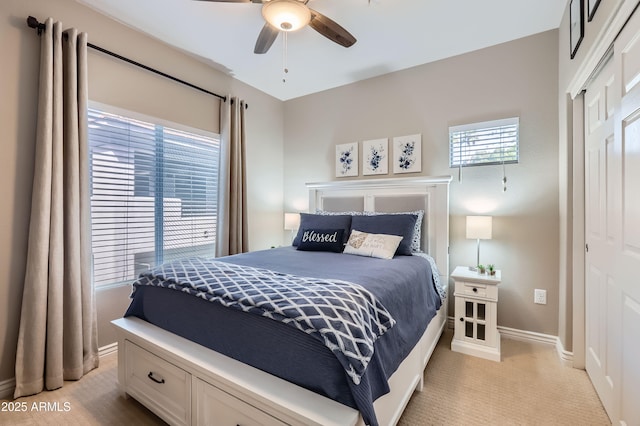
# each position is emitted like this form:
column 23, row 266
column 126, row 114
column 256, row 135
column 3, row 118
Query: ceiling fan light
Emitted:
column 286, row 15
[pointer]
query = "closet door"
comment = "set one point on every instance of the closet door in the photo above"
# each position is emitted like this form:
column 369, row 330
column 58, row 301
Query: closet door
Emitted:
column 612, row 229
column 627, row 258
column 601, row 235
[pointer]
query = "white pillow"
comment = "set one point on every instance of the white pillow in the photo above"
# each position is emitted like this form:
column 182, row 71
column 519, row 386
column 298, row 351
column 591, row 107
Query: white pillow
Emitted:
column 382, row 246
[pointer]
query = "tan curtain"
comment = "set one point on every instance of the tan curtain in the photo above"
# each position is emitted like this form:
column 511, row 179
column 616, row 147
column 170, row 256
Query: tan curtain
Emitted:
column 232, row 197
column 58, row 331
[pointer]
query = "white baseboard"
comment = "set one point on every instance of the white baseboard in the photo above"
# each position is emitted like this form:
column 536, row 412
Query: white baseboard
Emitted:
column 108, row 349
column 527, row 336
column 512, row 333
column 565, row 355
column 450, row 323
column 531, row 336
column 8, row 386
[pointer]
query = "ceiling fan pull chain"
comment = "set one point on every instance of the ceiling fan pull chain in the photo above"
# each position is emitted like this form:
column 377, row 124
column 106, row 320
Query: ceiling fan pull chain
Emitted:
column 284, row 57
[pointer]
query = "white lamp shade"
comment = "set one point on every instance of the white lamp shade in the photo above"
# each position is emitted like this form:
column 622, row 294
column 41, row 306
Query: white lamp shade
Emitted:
column 286, row 15
column 479, row 227
column 291, row 221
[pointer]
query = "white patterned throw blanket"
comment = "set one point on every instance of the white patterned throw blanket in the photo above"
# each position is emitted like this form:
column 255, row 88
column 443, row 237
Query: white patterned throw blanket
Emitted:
column 346, row 317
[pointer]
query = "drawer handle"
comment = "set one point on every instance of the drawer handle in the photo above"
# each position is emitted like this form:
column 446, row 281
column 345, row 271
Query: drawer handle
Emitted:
column 150, row 375
column 475, row 290
column 461, row 319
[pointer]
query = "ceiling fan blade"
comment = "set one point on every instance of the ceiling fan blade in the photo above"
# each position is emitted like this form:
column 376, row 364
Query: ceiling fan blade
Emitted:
column 267, row 36
column 330, row 29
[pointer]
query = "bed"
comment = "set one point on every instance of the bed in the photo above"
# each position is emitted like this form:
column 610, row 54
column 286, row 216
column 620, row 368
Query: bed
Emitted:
column 192, row 361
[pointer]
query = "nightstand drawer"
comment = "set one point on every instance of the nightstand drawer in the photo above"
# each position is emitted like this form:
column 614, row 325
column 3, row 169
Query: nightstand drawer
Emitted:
column 465, row 288
column 158, row 383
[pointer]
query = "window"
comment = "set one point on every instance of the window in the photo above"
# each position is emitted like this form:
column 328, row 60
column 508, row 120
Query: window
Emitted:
column 489, row 142
column 153, row 195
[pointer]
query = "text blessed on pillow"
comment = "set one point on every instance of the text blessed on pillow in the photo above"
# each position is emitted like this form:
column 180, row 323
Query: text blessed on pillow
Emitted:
column 321, row 240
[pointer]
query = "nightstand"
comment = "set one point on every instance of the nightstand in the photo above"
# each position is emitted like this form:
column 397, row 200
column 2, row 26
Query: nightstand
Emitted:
column 476, row 313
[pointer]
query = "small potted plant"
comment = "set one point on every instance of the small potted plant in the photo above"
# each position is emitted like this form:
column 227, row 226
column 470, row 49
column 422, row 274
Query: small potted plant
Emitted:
column 481, row 269
column 491, row 269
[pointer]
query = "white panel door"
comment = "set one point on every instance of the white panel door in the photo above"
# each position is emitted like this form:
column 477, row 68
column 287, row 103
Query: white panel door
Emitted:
column 601, row 229
column 627, row 266
column 612, row 229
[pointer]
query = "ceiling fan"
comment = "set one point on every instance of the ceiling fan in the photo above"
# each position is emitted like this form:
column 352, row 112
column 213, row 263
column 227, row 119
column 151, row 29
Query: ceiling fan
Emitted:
column 291, row 15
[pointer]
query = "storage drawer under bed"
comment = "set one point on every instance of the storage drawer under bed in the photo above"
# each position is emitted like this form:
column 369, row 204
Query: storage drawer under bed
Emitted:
column 158, row 383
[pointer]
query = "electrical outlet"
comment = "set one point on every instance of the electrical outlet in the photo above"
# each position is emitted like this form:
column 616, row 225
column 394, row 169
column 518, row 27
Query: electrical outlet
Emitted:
column 540, row 296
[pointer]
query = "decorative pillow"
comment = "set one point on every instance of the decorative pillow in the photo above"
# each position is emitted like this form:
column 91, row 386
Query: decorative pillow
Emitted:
column 416, row 241
column 391, row 224
column 372, row 245
column 322, row 240
column 328, row 213
column 316, row 221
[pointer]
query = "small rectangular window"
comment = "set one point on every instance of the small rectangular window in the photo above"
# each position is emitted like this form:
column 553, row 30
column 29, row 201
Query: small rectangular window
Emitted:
column 485, row 143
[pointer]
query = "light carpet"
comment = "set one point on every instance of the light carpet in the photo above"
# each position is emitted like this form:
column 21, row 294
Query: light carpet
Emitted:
column 529, row 387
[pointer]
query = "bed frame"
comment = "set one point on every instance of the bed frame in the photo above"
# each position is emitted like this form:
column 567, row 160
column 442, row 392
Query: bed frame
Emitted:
column 185, row 383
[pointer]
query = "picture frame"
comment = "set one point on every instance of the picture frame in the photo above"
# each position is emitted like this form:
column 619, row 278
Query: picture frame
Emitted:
column 592, row 5
column 347, row 159
column 576, row 25
column 407, row 154
column 375, row 157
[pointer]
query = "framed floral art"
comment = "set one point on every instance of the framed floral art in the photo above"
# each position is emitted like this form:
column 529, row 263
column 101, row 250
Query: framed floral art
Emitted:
column 375, row 157
column 407, row 154
column 347, row 159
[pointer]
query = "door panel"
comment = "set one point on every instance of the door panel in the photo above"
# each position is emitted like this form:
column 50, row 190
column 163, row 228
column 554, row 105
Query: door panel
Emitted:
column 612, row 222
column 600, row 235
column 630, row 181
column 628, row 260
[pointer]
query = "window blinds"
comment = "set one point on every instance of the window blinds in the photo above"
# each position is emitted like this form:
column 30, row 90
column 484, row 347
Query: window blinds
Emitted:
column 489, row 142
column 153, row 195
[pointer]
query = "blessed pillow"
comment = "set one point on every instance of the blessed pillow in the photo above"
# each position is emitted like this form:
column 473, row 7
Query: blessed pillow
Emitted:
column 316, row 221
column 390, row 224
column 416, row 241
column 322, row 240
column 372, row 245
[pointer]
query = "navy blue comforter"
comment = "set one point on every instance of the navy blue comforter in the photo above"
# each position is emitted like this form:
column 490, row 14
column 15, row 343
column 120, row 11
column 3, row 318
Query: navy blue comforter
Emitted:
column 404, row 285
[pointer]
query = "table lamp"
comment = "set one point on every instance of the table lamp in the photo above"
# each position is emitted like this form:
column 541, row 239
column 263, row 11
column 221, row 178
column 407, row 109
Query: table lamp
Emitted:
column 292, row 223
column 479, row 228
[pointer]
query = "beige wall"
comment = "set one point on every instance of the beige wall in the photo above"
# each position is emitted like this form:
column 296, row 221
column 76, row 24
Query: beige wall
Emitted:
column 518, row 78
column 126, row 87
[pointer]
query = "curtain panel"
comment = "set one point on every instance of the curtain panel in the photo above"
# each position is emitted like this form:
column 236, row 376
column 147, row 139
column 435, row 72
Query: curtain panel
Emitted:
column 232, row 236
column 57, row 340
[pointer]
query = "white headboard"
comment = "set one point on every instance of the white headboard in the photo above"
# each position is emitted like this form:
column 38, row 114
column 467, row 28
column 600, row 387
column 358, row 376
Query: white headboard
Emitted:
column 430, row 194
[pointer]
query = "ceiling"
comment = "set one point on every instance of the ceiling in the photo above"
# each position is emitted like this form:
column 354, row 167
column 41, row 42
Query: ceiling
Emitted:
column 392, row 35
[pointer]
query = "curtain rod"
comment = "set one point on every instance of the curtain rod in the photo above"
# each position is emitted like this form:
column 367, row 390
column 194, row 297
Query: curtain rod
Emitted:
column 33, row 23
